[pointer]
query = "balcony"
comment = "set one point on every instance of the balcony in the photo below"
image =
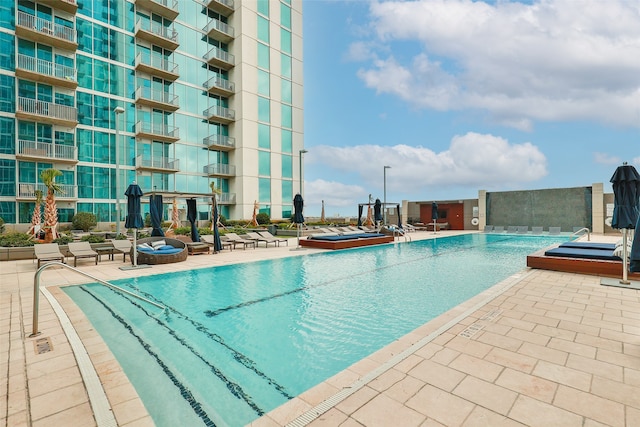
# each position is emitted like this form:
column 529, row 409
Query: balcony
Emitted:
column 219, row 86
column 223, row 7
column 220, row 58
column 28, row 191
column 158, row 165
column 157, row 99
column 220, row 169
column 47, row 112
column 220, row 142
column 43, row 31
column 38, row 70
column 155, row 132
column 226, row 198
column 154, row 33
column 220, row 114
column 166, row 8
column 69, row 6
column 218, row 30
column 32, row 150
column 160, row 67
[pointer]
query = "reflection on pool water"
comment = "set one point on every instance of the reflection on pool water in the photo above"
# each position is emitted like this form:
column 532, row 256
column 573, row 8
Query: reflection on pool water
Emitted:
column 239, row 340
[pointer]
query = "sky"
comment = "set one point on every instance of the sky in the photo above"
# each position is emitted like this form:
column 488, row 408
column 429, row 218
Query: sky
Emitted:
column 458, row 96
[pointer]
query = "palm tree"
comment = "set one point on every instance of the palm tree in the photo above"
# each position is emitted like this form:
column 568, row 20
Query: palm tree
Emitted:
column 216, row 192
column 36, row 217
column 48, row 178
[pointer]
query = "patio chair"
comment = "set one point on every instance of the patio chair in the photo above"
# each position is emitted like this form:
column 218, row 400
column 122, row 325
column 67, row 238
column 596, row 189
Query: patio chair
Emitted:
column 555, row 230
column 536, row 230
column 488, row 228
column 82, row 250
column 512, row 229
column 237, row 240
column 268, row 235
column 498, row 229
column 523, row 229
column 258, row 238
column 193, row 247
column 208, row 239
column 47, row 252
column 123, row 247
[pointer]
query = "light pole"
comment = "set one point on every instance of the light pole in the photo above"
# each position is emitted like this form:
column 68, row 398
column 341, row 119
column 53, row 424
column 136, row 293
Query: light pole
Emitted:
column 301, row 153
column 118, row 111
column 385, row 193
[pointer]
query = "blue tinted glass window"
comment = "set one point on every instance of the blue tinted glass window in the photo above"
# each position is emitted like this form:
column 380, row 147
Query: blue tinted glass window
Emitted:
column 264, row 163
column 286, row 90
column 7, row 52
column 285, row 65
column 85, row 108
column 6, row 15
column 264, row 113
column 263, row 29
column 264, row 136
column 7, row 135
column 263, row 82
column 84, row 31
column 285, row 15
column 285, row 40
column 287, row 141
column 25, row 212
column 263, row 7
column 85, row 71
column 263, row 56
column 7, row 209
column 264, row 190
column 287, row 119
column 287, row 192
column 7, row 94
column 287, row 166
column 85, row 185
column 7, row 180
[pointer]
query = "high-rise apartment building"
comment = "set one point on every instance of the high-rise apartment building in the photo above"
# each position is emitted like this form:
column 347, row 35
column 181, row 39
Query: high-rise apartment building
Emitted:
column 172, row 94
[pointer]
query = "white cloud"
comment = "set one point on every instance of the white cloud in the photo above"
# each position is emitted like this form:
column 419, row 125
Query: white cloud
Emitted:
column 606, row 159
column 472, row 160
column 518, row 62
column 636, row 161
column 336, row 195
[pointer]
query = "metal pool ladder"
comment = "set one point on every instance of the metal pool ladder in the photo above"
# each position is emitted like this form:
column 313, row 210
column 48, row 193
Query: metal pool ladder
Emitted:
column 575, row 233
column 36, row 290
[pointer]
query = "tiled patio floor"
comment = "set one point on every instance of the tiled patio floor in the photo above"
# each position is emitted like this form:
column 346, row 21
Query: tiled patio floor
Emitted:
column 539, row 349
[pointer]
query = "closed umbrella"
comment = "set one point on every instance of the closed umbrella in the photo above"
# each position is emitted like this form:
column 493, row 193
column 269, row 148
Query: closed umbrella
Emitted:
column 626, row 190
column 434, row 215
column 134, row 216
column 322, row 219
column 377, row 210
column 217, row 244
column 298, row 218
column 192, row 215
column 360, row 215
column 399, row 217
column 155, row 211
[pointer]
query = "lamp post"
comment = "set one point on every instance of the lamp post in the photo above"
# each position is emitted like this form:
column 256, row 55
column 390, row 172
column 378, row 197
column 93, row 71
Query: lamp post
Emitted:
column 301, row 153
column 118, row 111
column 385, row 193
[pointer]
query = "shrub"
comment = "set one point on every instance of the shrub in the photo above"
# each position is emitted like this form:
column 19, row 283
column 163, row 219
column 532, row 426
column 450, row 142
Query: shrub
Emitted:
column 147, row 220
column 84, row 221
column 1, row 225
column 93, row 239
column 14, row 240
column 63, row 240
column 263, row 218
column 121, row 237
column 182, row 230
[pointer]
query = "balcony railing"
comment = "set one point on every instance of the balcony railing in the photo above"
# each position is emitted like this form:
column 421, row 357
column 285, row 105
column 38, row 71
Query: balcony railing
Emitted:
column 220, row 169
column 220, row 56
column 220, row 142
column 48, row 110
column 47, row 68
column 167, row 69
column 220, row 112
column 28, row 191
column 47, row 150
column 216, row 26
column 167, row 8
column 226, row 198
column 166, row 132
column 157, row 96
column 46, row 27
column 158, row 32
column 224, row 7
column 162, row 163
column 70, row 6
column 217, row 82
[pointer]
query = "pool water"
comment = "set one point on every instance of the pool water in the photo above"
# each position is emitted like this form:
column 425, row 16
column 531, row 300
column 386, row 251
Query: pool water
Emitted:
column 242, row 339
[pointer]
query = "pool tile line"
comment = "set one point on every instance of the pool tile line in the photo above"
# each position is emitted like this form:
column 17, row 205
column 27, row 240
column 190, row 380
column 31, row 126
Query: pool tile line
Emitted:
column 491, row 294
column 97, row 396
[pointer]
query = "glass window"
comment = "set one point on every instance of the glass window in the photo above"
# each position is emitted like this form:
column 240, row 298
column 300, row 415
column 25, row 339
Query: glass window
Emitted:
column 287, row 166
column 7, row 94
column 7, row 210
column 263, row 29
column 85, row 71
column 287, row 141
column 84, row 34
column 7, row 54
column 286, row 116
column 286, row 211
column 263, row 82
column 264, row 136
column 287, row 192
column 6, row 15
column 85, row 108
column 85, row 185
column 285, row 65
column 7, row 135
column 25, row 212
column 264, row 190
column 264, row 113
column 285, row 40
column 263, row 56
column 264, row 163
column 285, row 15
column 263, row 7
column 286, row 94
column 7, row 182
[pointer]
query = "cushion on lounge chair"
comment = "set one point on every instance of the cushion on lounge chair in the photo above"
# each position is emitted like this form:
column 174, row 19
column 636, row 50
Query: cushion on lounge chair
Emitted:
column 582, row 253
column 589, row 245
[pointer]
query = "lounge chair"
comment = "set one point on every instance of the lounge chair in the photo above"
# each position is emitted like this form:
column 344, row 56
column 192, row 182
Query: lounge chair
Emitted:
column 407, row 227
column 498, row 229
column 47, row 252
column 523, row 229
column 554, row 231
column 237, row 240
column 193, row 247
column 208, row 239
column 252, row 235
column 82, row 250
column 488, row 228
column 123, row 247
column 536, row 230
column 268, row 235
column 512, row 229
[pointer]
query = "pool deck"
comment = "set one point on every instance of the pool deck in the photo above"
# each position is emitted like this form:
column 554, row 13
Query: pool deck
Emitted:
column 542, row 348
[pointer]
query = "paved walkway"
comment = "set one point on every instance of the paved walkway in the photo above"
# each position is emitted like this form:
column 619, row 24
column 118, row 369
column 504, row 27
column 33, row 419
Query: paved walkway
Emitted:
column 539, row 349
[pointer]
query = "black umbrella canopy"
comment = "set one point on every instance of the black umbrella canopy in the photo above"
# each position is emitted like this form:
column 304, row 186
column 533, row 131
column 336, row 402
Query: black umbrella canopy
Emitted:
column 626, row 190
column 298, row 206
column 377, row 210
column 134, row 217
column 360, row 207
column 217, row 243
column 434, row 211
column 192, row 215
column 155, row 211
column 634, row 256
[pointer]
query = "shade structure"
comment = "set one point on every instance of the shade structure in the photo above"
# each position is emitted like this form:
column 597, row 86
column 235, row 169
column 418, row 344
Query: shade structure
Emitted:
column 626, row 190
column 434, row 211
column 377, row 210
column 134, row 215
column 360, row 215
column 298, row 206
column 217, row 244
column 192, row 215
column 155, row 211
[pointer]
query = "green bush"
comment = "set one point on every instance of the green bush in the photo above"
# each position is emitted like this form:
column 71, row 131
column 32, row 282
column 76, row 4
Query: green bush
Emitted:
column 1, row 225
column 63, row 240
column 84, row 221
column 263, row 218
column 147, row 220
column 93, row 239
column 121, row 237
column 14, row 240
column 182, row 230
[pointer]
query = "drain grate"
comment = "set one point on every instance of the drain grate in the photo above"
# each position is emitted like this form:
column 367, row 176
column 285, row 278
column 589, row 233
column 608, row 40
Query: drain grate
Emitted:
column 480, row 324
column 43, row 345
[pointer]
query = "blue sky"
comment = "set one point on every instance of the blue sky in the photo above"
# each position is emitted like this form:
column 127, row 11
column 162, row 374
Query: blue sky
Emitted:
column 458, row 96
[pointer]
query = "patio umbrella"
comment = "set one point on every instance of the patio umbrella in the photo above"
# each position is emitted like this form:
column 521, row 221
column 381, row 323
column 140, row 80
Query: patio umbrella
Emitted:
column 399, row 216
column 634, row 265
column 192, row 215
column 626, row 190
column 134, row 217
column 360, row 215
column 434, row 215
column 217, row 244
column 298, row 218
column 377, row 210
column 155, row 211
column 322, row 219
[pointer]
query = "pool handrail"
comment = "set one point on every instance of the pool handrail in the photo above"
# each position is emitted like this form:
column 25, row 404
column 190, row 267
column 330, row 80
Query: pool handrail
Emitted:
column 575, row 233
column 36, row 291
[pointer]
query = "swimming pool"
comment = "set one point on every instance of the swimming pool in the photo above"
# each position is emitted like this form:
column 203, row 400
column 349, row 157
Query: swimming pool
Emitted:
column 239, row 340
